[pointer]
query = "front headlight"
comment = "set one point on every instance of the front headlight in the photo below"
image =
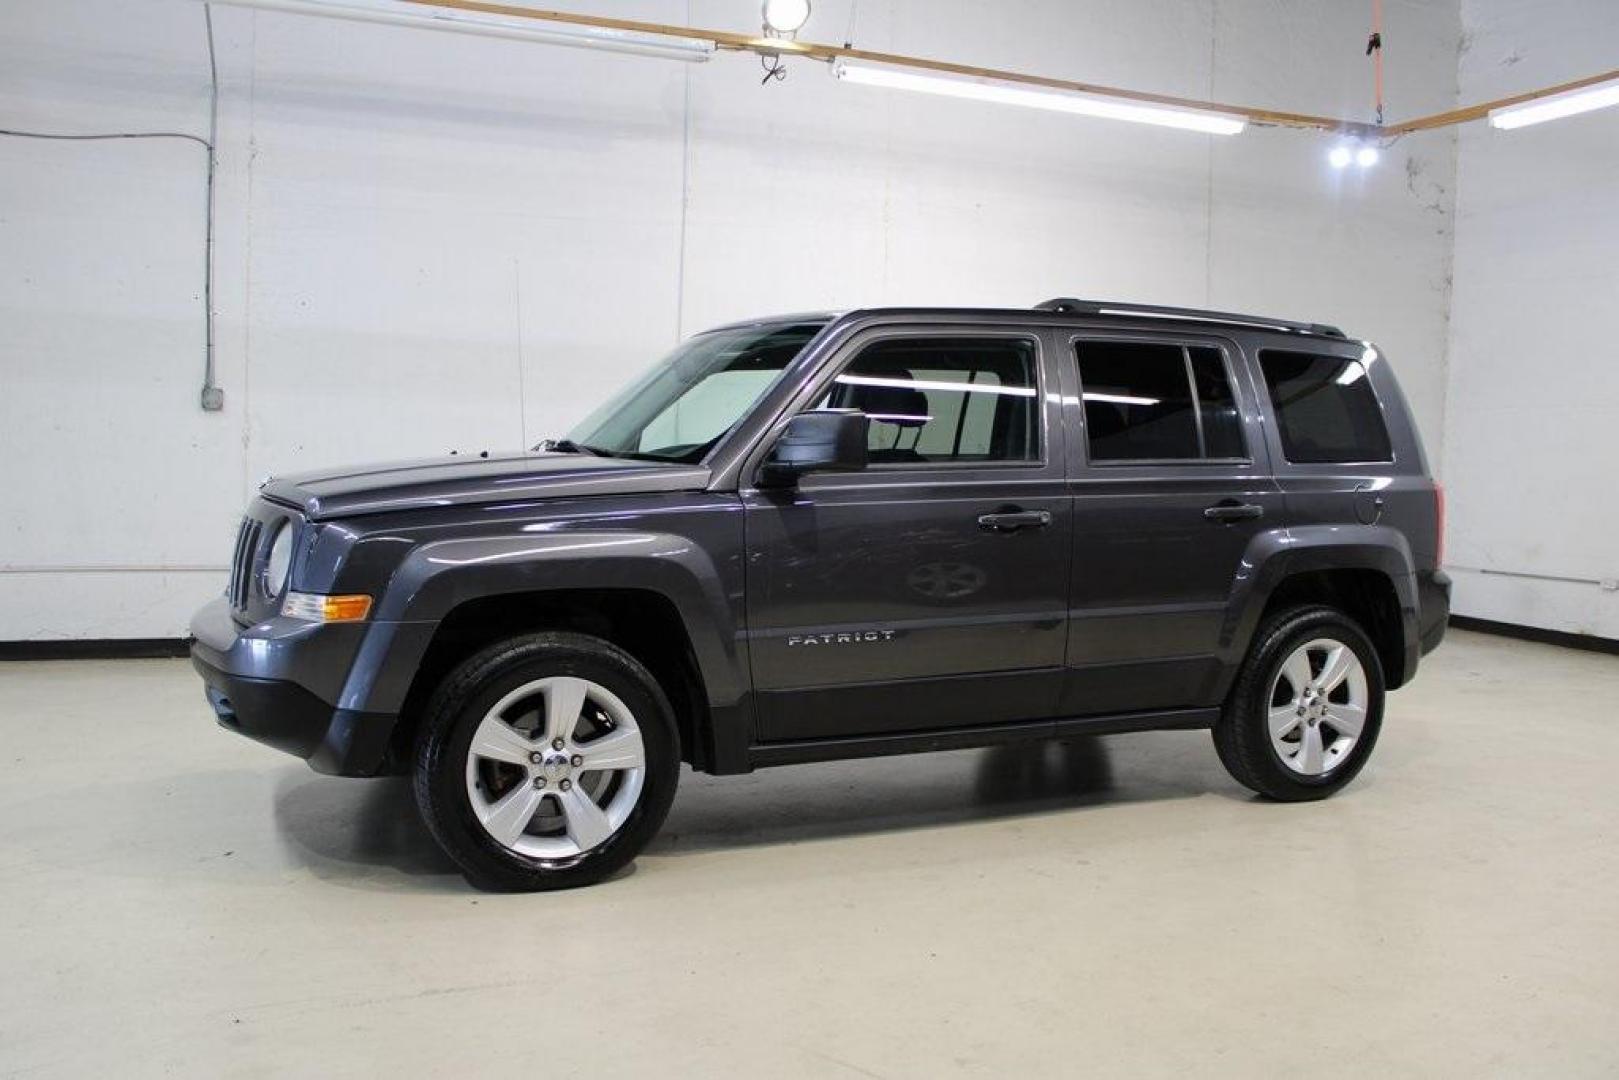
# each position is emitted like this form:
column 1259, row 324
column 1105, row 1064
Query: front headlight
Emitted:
column 277, row 566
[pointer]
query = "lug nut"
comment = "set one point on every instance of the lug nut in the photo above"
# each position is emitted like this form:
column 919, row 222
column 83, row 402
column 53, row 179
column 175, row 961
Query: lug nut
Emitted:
column 536, row 757
column 577, row 760
column 539, row 782
column 556, row 744
column 567, row 785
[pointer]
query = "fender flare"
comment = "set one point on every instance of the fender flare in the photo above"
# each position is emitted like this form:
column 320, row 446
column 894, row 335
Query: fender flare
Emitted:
column 1276, row 555
column 438, row 576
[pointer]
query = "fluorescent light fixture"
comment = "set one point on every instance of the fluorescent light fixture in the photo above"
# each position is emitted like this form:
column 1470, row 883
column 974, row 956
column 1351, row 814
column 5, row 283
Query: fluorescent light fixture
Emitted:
column 401, row 13
column 1120, row 399
column 1557, row 106
column 1003, row 93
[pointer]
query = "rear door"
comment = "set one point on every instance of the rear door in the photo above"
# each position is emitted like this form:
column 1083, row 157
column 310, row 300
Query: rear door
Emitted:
column 928, row 591
column 1171, row 482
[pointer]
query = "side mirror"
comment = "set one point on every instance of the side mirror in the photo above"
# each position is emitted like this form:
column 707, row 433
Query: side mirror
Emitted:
column 823, row 440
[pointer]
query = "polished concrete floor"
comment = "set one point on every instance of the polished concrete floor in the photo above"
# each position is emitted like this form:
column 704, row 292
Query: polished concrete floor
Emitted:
column 174, row 900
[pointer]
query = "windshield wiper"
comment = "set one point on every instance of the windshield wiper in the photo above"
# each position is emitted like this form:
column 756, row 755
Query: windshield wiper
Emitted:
column 568, row 446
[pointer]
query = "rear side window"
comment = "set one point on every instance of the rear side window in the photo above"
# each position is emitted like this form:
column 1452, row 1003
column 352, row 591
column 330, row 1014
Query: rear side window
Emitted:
column 942, row 400
column 1150, row 401
column 1325, row 408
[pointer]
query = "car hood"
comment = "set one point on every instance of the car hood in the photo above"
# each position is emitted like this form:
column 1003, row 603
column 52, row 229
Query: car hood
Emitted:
column 462, row 481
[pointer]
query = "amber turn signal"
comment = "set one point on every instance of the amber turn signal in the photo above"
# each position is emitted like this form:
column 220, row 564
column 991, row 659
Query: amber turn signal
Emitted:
column 317, row 608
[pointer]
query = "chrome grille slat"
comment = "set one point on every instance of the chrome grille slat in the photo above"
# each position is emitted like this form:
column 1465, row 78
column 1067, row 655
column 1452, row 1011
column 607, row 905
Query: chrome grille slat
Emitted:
column 247, row 546
column 236, row 565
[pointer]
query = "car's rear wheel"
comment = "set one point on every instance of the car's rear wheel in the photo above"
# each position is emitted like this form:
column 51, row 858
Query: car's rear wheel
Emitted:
column 1306, row 708
column 546, row 761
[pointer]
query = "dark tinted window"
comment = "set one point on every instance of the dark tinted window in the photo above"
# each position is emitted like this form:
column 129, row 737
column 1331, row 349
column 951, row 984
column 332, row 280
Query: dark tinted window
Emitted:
column 1147, row 402
column 1222, row 424
column 945, row 399
column 1325, row 408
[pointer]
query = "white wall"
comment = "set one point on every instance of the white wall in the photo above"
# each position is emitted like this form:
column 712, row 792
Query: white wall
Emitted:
column 1532, row 431
column 429, row 241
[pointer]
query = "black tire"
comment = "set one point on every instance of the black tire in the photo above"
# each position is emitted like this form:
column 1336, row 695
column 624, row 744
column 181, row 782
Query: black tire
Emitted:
column 459, row 705
column 1241, row 735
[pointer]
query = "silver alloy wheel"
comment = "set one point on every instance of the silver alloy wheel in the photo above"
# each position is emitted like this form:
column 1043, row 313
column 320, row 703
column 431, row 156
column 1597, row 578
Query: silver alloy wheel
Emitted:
column 1318, row 703
column 555, row 767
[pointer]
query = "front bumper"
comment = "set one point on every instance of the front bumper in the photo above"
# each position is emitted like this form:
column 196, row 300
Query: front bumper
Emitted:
column 275, row 683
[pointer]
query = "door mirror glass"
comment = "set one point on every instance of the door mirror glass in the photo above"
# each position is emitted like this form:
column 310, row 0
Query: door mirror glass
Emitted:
column 822, row 440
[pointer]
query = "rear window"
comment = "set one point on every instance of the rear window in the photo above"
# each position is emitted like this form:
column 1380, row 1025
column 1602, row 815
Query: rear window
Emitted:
column 1325, row 408
column 1146, row 401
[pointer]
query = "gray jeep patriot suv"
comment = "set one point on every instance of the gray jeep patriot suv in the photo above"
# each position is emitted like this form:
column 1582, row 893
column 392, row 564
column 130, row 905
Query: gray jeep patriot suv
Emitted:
column 835, row 535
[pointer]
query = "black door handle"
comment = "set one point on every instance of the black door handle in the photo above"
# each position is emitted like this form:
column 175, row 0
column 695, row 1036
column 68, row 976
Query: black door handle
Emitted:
column 1231, row 510
column 1013, row 520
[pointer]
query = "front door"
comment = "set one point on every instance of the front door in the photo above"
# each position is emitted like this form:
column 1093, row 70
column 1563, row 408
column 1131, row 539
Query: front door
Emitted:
column 930, row 590
column 1171, row 484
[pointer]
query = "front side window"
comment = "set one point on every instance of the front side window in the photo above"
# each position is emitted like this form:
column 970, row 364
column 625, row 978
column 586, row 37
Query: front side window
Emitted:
column 942, row 400
column 1152, row 401
column 1325, row 408
column 681, row 408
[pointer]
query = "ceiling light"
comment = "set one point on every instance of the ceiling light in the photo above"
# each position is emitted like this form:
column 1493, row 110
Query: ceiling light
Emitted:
column 1366, row 156
column 1339, row 156
column 1557, row 106
column 786, row 16
column 1003, row 93
column 430, row 17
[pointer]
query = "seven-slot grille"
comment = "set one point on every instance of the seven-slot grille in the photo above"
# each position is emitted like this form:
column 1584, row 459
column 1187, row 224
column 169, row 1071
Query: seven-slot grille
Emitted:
column 241, row 567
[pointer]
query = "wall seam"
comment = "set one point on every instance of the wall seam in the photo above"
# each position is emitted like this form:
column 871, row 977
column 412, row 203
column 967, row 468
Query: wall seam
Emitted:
column 685, row 193
column 1208, row 190
column 522, row 366
column 1455, row 136
column 248, row 487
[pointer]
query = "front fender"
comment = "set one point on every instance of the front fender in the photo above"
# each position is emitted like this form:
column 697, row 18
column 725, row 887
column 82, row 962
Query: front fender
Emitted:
column 438, row 576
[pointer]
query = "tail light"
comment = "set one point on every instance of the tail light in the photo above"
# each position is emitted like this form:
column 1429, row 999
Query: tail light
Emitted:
column 1439, row 524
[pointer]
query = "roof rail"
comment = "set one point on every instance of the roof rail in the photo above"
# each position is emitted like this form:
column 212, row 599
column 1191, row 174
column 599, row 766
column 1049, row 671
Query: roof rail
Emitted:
column 1067, row 305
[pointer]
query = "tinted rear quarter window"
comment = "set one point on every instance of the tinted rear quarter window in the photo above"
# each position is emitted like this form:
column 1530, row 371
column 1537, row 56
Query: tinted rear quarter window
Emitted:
column 1326, row 411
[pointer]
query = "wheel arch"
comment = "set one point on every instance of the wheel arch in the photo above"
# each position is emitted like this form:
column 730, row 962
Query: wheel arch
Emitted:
column 643, row 622
column 659, row 596
column 1368, row 575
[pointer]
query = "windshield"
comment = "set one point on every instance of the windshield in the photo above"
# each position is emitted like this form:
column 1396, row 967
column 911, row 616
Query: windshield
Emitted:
column 682, row 407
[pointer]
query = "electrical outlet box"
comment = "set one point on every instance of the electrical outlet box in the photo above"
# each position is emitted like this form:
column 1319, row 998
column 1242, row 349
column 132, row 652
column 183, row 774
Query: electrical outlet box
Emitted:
column 213, row 399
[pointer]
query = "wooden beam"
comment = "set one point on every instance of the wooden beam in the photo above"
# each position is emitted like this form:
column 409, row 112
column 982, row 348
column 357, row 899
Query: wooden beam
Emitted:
column 730, row 40
column 1483, row 109
column 727, row 39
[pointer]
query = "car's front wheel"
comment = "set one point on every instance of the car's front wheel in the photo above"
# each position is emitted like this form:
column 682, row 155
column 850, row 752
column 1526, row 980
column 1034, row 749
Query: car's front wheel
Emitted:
column 546, row 761
column 1304, row 713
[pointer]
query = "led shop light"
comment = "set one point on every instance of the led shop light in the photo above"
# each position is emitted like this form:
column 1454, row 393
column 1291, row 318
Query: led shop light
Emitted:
column 1003, row 93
